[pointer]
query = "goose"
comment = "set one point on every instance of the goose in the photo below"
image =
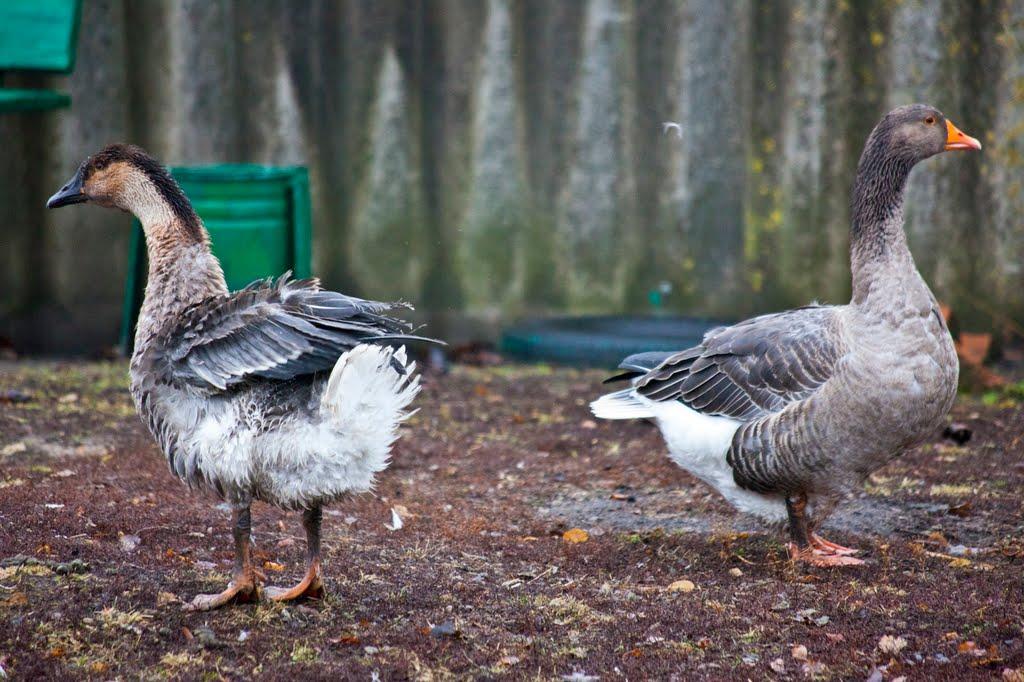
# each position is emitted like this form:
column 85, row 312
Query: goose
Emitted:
column 282, row 392
column 784, row 414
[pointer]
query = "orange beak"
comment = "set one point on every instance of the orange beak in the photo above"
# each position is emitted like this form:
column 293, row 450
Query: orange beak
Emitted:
column 956, row 139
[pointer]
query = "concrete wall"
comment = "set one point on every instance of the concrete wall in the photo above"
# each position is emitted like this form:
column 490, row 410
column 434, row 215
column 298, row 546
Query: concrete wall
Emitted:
column 489, row 159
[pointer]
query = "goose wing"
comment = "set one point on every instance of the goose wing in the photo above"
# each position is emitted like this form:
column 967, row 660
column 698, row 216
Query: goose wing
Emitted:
column 752, row 368
column 272, row 329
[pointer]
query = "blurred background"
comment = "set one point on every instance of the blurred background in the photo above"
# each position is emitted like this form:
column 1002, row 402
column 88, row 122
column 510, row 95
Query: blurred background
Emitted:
column 492, row 160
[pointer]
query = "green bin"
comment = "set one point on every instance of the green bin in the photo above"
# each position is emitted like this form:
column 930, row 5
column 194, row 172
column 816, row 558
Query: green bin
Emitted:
column 259, row 223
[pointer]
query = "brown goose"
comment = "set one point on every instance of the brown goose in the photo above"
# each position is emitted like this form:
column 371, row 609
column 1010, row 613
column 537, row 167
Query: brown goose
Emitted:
column 281, row 392
column 784, row 414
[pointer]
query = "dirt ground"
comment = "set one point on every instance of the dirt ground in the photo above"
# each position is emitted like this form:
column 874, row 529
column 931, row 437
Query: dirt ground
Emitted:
column 99, row 545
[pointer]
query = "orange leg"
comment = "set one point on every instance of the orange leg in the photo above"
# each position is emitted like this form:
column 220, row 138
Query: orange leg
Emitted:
column 828, row 546
column 244, row 585
column 311, row 586
column 807, row 547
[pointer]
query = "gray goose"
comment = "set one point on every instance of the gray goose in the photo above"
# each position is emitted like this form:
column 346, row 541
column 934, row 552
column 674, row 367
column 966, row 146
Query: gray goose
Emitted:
column 282, row 392
column 784, row 414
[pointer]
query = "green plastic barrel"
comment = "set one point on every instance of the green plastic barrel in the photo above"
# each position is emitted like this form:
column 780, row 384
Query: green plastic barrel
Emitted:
column 259, row 223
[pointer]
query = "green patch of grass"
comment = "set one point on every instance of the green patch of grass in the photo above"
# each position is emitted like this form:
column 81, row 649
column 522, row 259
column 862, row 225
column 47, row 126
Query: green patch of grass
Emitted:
column 302, row 653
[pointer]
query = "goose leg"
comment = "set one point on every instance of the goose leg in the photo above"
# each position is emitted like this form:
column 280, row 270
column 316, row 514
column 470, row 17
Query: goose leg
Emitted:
column 804, row 546
column 823, row 545
column 244, row 585
column 310, row 586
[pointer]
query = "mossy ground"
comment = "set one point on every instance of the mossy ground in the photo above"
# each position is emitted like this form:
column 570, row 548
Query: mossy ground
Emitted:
column 479, row 582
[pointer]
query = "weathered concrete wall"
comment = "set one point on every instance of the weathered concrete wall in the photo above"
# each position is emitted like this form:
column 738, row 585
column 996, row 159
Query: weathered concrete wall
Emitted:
column 485, row 159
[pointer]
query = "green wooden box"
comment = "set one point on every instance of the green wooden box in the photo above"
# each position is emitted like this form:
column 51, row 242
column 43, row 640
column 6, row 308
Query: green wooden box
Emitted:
column 37, row 35
column 259, row 223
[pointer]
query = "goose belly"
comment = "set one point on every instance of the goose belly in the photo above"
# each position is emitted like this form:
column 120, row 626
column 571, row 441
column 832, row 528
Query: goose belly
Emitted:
column 239, row 449
column 698, row 443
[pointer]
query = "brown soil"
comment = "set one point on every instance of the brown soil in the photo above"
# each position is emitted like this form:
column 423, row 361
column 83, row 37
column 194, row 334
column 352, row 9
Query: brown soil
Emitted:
column 479, row 582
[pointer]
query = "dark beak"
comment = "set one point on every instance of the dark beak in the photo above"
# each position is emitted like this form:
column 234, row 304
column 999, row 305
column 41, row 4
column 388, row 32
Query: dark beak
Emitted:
column 71, row 193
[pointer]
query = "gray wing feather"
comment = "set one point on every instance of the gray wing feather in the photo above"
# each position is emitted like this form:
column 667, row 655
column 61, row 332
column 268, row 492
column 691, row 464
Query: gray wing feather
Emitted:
column 271, row 329
column 753, row 368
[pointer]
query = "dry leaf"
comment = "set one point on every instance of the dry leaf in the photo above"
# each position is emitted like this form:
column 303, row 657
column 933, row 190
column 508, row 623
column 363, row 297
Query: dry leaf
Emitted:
column 682, row 586
column 273, row 566
column 165, row 598
column 973, row 347
column 799, row 652
column 891, row 645
column 575, row 536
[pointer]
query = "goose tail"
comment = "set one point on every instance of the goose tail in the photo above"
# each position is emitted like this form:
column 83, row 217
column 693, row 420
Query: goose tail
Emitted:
column 622, row 404
column 366, row 397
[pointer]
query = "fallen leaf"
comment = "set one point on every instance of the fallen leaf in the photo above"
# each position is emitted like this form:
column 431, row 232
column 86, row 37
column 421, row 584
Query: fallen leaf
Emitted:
column 273, row 566
column 972, row 347
column 682, row 586
column 68, row 398
column 165, row 598
column 970, row 648
column 778, row 665
column 799, row 652
column 350, row 640
column 129, row 543
column 575, row 536
column 13, row 449
column 891, row 645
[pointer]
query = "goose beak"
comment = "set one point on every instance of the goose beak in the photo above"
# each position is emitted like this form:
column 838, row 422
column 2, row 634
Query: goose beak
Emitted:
column 956, row 139
column 71, row 193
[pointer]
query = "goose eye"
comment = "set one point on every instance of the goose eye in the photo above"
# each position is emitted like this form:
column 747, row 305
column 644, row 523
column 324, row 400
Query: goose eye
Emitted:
column 930, row 120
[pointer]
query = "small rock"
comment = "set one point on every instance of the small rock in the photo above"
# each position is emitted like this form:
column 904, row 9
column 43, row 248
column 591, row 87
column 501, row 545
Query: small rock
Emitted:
column 958, row 432
column 206, row 638
column 14, row 396
column 778, row 665
column 735, row 572
column 68, row 398
column 371, row 650
column 445, row 629
column 799, row 652
column 243, row 635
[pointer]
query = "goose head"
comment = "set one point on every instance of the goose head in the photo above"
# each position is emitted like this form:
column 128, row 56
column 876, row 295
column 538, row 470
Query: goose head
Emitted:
column 125, row 177
column 915, row 132
column 113, row 177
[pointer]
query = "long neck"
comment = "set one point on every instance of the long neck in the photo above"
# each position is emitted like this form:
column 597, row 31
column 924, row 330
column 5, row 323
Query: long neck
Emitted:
column 878, row 244
column 182, row 269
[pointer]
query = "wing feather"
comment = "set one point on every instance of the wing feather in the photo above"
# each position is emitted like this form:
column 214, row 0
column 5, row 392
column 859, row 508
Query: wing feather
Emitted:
column 752, row 368
column 276, row 329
